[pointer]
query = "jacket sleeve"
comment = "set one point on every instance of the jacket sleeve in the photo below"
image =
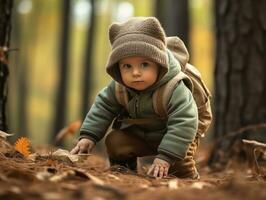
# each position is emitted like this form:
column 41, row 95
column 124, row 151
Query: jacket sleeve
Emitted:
column 182, row 124
column 101, row 114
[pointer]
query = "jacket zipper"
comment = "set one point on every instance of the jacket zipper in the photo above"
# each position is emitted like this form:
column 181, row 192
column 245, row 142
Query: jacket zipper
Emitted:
column 136, row 107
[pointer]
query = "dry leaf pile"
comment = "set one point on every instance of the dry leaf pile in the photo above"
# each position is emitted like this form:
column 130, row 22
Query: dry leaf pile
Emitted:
column 56, row 174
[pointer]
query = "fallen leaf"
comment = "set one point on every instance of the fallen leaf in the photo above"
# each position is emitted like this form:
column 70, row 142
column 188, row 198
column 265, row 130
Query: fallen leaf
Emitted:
column 73, row 158
column 113, row 176
column 74, row 126
column 43, row 176
column 69, row 186
column 69, row 130
column 94, row 179
column 98, row 198
column 33, row 156
column 104, row 186
column 3, row 177
column 62, row 176
column 144, row 186
column 173, row 184
column 52, row 195
column 200, row 185
column 22, row 145
column 15, row 190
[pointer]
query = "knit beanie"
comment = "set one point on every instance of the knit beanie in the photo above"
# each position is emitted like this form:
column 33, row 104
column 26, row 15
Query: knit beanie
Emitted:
column 139, row 36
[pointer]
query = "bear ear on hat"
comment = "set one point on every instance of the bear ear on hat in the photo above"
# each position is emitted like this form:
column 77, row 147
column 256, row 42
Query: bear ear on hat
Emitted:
column 153, row 28
column 113, row 32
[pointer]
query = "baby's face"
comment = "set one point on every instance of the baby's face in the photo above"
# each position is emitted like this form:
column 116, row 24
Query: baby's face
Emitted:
column 138, row 73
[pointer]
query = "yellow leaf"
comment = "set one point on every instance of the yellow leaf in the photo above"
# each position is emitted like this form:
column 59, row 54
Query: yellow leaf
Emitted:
column 22, row 145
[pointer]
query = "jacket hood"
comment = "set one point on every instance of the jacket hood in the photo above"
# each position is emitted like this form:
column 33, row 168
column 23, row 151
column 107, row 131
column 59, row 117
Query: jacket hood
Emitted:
column 179, row 50
column 178, row 57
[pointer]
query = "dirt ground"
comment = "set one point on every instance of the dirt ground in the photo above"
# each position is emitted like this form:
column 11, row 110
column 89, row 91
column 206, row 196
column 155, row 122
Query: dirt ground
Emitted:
column 46, row 176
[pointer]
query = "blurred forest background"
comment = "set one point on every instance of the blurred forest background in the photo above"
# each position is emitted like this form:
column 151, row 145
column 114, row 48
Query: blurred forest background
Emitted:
column 61, row 47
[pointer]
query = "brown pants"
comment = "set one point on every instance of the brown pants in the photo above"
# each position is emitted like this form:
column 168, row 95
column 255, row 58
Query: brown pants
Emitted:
column 125, row 146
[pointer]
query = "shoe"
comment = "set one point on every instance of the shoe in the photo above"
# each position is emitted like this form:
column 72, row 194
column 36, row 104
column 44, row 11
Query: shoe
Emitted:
column 129, row 164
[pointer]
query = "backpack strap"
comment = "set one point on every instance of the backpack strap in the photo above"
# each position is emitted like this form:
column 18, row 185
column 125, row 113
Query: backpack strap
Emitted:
column 163, row 94
column 194, row 73
column 121, row 95
column 202, row 97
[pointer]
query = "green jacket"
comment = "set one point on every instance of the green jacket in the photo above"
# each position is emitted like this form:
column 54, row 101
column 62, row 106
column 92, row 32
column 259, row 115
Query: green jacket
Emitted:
column 174, row 134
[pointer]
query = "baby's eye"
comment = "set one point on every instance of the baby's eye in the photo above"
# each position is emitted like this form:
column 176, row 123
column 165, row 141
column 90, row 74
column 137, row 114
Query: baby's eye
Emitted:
column 144, row 64
column 126, row 66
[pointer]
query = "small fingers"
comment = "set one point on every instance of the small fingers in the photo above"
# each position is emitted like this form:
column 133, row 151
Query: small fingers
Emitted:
column 165, row 174
column 90, row 147
column 151, row 169
column 75, row 150
column 156, row 171
column 83, row 149
column 161, row 172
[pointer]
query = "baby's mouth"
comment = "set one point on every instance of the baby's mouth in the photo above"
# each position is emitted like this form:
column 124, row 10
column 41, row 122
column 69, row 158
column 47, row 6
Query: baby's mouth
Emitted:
column 139, row 81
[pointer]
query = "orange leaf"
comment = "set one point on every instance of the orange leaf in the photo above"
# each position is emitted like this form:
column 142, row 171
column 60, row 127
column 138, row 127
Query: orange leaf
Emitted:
column 74, row 126
column 22, row 145
column 69, row 130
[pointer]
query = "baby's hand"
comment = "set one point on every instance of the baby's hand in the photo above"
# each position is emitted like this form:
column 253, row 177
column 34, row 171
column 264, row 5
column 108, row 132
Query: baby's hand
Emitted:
column 159, row 168
column 85, row 145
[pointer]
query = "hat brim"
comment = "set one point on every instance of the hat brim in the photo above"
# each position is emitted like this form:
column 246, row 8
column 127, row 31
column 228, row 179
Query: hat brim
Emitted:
column 135, row 48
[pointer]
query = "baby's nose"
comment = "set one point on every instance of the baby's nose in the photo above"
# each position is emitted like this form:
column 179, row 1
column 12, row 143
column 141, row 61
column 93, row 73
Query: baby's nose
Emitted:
column 136, row 71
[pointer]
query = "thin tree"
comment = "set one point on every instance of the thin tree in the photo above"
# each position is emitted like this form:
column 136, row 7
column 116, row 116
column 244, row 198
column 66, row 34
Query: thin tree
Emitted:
column 174, row 16
column 61, row 98
column 88, row 62
column 5, row 31
column 240, row 82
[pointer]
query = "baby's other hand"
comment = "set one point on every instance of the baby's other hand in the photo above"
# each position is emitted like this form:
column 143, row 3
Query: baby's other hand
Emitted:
column 159, row 168
column 84, row 145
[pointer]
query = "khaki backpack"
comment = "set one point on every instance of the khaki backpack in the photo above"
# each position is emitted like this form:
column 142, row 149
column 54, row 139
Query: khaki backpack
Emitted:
column 192, row 79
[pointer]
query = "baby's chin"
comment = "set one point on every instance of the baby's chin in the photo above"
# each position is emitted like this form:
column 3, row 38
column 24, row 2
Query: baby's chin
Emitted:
column 140, row 88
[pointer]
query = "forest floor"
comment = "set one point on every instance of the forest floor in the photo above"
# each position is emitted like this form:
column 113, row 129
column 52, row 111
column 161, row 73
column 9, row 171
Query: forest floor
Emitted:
column 48, row 176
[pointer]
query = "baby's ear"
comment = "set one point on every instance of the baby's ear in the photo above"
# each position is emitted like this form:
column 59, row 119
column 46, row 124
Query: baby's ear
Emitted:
column 113, row 32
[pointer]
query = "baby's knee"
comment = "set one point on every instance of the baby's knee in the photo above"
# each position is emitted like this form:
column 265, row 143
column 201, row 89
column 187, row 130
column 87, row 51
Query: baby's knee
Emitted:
column 113, row 139
column 117, row 146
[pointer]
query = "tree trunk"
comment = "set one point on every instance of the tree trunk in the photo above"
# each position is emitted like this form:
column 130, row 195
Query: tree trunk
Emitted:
column 240, row 83
column 88, row 62
column 61, row 99
column 5, row 30
column 174, row 16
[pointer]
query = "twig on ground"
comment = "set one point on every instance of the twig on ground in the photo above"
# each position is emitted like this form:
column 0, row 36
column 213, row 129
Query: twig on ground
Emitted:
column 254, row 148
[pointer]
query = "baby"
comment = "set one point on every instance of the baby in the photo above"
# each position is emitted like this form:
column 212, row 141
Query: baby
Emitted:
column 140, row 62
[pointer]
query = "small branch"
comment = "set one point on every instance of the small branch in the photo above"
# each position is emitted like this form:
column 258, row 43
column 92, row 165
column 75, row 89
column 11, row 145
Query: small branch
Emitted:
column 246, row 128
column 256, row 148
column 224, row 143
